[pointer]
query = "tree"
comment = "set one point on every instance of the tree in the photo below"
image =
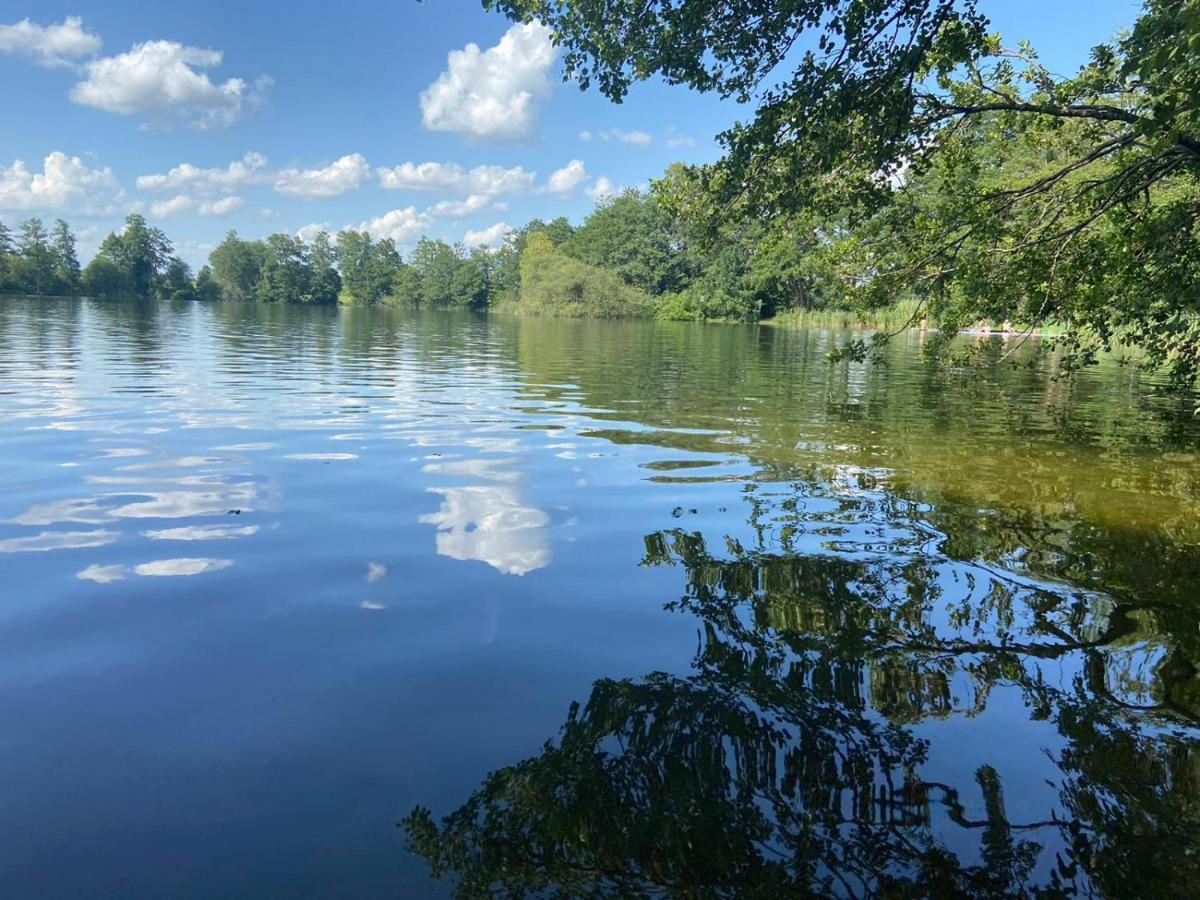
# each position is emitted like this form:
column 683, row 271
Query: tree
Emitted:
column 486, row 262
column 36, row 265
column 144, row 254
column 632, row 235
column 66, row 263
column 448, row 278
column 205, row 287
column 284, row 276
column 103, row 277
column 354, row 250
column 8, row 260
column 554, row 284
column 133, row 262
column 236, row 267
column 176, row 281
column 889, row 88
column 383, row 261
column 324, row 283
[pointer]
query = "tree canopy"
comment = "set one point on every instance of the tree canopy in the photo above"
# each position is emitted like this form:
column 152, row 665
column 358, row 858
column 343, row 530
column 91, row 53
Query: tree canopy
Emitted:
column 919, row 128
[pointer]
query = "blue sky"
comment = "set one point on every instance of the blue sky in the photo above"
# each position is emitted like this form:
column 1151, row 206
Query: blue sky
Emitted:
column 268, row 116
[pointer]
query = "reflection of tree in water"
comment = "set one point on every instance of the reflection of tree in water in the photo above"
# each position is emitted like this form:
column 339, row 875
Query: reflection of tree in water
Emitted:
column 792, row 760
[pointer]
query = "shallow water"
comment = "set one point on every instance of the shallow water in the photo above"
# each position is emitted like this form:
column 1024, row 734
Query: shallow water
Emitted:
column 639, row 607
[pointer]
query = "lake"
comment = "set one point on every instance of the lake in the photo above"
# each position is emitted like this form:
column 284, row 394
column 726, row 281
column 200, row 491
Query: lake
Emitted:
column 314, row 602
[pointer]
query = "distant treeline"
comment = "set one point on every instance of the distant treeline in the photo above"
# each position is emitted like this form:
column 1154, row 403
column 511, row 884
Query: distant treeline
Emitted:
column 629, row 258
column 139, row 261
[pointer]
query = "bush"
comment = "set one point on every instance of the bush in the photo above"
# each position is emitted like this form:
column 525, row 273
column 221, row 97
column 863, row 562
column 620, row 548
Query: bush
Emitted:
column 554, row 284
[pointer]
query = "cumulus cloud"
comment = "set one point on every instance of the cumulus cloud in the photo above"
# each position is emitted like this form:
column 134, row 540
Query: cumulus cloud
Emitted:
column 310, row 231
column 49, row 45
column 182, row 203
column 456, row 209
column 452, row 178
column 65, row 183
column 341, row 176
column 564, row 181
column 487, row 237
column 400, row 225
column 222, row 207
column 640, row 138
column 426, row 176
column 164, row 209
column 493, row 94
column 159, row 79
column 601, row 188
column 494, row 180
column 250, row 169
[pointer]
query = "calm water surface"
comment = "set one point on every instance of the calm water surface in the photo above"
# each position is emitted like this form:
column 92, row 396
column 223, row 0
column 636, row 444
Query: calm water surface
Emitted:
column 309, row 602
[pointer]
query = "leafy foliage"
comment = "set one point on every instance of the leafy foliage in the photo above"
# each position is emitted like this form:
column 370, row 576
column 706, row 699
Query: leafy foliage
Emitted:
column 935, row 160
column 555, row 284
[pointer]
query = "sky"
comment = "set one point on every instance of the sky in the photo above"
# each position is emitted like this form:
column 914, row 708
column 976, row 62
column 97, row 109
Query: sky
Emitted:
column 401, row 119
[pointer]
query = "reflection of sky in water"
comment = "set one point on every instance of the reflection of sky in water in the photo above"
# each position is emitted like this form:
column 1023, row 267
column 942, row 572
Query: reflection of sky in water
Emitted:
column 201, row 533
column 489, row 523
column 58, row 540
column 176, row 430
column 102, row 574
column 171, row 567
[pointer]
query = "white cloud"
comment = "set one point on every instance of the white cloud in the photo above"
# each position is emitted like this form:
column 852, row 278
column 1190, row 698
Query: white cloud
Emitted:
column 159, row 78
column 456, row 209
column 101, row 574
column 451, row 177
column 426, row 176
column 250, row 169
column 341, row 176
column 631, row 137
column 400, row 225
column 493, row 94
column 602, row 188
column 493, row 180
column 310, row 231
column 175, row 567
column 65, row 183
column 487, row 237
column 183, row 203
column 164, row 209
column 640, row 138
column 49, row 45
column 564, row 181
column 222, row 207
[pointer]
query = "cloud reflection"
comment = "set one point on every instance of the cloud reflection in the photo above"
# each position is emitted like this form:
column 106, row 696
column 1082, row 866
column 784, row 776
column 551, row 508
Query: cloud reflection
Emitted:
column 58, row 540
column 201, row 533
column 490, row 524
column 101, row 574
column 172, row 567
